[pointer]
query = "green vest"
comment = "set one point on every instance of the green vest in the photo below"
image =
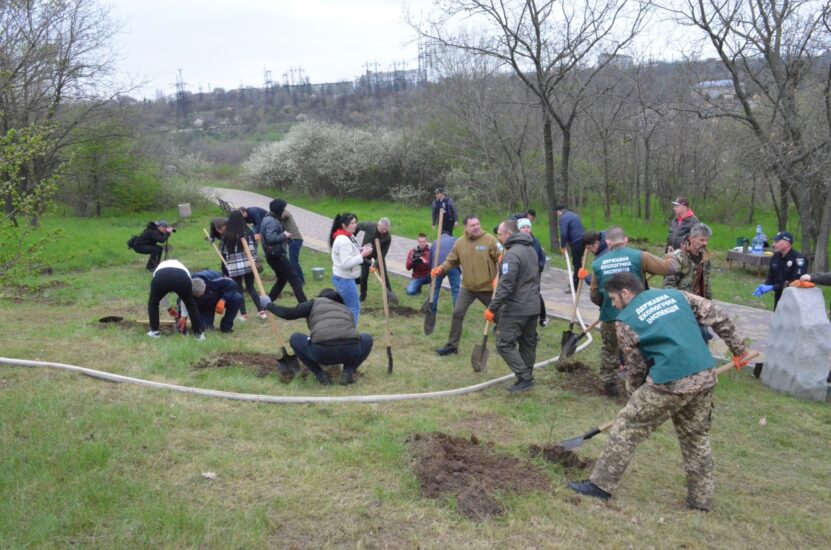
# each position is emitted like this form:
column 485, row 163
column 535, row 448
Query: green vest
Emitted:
column 670, row 339
column 619, row 260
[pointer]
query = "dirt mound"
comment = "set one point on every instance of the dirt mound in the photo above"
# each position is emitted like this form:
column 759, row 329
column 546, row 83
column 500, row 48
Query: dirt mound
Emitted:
column 403, row 311
column 261, row 363
column 560, row 455
column 580, row 378
column 474, row 474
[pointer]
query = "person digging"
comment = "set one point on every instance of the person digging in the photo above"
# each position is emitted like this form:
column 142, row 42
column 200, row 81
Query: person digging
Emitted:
column 671, row 373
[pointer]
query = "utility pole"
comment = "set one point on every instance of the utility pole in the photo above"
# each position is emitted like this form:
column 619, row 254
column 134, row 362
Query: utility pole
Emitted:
column 182, row 100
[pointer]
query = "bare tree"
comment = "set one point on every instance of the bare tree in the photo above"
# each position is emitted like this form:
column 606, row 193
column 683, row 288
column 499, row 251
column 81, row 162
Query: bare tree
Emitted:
column 775, row 54
column 555, row 48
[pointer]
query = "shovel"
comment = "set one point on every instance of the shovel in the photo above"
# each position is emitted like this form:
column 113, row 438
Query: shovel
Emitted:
column 381, row 278
column 575, row 442
column 218, row 253
column 427, row 308
column 568, row 335
column 286, row 364
column 568, row 348
column 479, row 356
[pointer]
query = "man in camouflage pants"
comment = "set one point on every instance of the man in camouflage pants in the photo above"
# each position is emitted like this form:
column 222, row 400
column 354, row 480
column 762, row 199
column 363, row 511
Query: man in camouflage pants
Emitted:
column 672, row 375
column 619, row 258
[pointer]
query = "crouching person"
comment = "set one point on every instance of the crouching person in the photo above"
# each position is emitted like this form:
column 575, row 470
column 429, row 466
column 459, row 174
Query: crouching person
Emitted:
column 172, row 276
column 216, row 295
column 332, row 339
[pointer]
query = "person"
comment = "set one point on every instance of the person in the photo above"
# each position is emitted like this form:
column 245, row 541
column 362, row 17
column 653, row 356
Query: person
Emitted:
column 216, row 294
column 155, row 234
column 295, row 242
column 236, row 261
column 418, row 261
column 693, row 261
column 381, row 232
column 513, row 302
column 524, row 225
column 254, row 215
column 172, row 276
column 681, row 224
column 451, row 215
column 671, row 375
column 454, row 275
column 571, row 236
column 275, row 241
column 819, row 279
column 787, row 264
column 619, row 258
column 333, row 338
column 476, row 253
column 347, row 259
column 594, row 242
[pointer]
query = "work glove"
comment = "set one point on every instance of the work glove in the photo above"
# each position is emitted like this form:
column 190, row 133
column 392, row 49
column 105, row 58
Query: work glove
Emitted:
column 740, row 361
column 436, row 271
column 582, row 273
column 172, row 312
column 220, row 307
column 264, row 301
column 762, row 289
column 489, row 316
column 182, row 325
column 802, row 284
column 373, row 269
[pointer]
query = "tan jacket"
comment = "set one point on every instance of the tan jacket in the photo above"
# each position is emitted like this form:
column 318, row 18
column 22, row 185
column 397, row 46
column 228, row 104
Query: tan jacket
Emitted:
column 477, row 258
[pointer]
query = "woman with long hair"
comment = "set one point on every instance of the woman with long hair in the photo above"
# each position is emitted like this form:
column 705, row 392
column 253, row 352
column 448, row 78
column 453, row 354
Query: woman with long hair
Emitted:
column 347, row 258
column 237, row 262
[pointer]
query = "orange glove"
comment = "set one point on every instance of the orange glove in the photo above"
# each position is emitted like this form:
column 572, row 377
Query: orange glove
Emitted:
column 373, row 269
column 740, row 361
column 436, row 271
column 220, row 307
column 802, row 284
column 172, row 312
column 182, row 325
column 582, row 273
column 489, row 316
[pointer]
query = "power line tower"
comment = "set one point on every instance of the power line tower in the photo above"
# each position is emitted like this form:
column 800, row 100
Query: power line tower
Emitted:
column 182, row 100
column 426, row 61
column 268, row 86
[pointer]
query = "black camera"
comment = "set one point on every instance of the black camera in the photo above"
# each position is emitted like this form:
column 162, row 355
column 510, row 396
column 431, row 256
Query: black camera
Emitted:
column 173, row 230
column 417, row 258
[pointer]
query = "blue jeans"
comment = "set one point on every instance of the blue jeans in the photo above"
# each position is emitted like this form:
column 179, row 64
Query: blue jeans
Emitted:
column 349, row 292
column 455, row 278
column 414, row 286
column 294, row 257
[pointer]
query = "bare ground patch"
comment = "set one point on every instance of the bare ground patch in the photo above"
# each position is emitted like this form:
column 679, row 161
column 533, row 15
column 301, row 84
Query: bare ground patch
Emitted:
column 578, row 377
column 263, row 364
column 472, row 473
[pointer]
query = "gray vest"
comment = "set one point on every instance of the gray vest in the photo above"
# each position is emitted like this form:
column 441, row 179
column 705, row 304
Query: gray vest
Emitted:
column 330, row 320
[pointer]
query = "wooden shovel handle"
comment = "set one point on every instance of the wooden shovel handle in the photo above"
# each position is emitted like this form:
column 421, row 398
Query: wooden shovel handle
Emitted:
column 273, row 322
column 218, row 253
column 436, row 257
column 727, row 366
column 383, row 278
column 495, row 286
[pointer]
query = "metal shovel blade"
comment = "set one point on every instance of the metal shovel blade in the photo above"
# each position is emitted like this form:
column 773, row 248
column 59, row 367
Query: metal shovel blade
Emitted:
column 570, row 346
column 429, row 322
column 575, row 442
column 389, row 360
column 567, row 336
column 479, row 357
column 287, row 365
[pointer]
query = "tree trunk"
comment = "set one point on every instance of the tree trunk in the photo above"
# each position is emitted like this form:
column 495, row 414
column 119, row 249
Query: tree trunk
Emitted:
column 550, row 184
column 607, row 207
column 647, row 186
column 821, row 250
column 565, row 161
column 752, row 201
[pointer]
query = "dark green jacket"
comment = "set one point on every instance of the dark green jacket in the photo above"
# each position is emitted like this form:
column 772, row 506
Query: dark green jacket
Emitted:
column 517, row 294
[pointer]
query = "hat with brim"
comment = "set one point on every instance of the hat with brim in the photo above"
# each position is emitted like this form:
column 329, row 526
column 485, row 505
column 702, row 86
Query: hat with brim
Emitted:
column 681, row 201
column 783, row 235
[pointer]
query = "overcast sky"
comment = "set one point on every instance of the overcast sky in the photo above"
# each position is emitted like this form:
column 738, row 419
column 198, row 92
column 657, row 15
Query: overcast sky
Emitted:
column 222, row 43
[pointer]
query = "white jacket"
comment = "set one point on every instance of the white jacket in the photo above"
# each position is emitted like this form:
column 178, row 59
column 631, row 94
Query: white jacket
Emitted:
column 346, row 258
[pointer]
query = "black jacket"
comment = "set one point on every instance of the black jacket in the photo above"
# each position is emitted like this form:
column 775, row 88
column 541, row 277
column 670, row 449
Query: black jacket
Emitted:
column 518, row 292
column 783, row 270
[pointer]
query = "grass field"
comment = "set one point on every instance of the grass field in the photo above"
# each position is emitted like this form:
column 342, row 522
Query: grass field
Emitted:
column 94, row 464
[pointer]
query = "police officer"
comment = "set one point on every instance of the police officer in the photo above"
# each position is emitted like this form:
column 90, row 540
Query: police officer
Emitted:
column 786, row 265
column 671, row 373
column 514, row 302
column 619, row 258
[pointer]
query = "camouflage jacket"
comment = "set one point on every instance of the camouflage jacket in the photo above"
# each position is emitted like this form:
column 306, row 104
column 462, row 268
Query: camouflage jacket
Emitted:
column 706, row 313
column 693, row 274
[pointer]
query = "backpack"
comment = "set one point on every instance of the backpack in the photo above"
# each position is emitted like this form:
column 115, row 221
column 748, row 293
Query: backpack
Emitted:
column 132, row 242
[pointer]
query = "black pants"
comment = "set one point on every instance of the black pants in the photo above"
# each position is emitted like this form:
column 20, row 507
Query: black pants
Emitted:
column 249, row 287
column 577, row 249
column 171, row 279
column 314, row 355
column 285, row 274
column 155, row 252
column 365, row 277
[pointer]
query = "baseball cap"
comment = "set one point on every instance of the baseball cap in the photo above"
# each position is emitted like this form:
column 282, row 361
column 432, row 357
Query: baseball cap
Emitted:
column 438, row 190
column 161, row 223
column 523, row 222
column 682, row 201
column 783, row 235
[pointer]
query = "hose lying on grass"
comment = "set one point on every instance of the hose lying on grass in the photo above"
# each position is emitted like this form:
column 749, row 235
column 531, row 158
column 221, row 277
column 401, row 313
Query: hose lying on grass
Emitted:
column 280, row 399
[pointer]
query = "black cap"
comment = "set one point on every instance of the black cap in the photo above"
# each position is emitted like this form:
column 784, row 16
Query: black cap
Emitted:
column 560, row 207
column 438, row 190
column 277, row 206
column 783, row 235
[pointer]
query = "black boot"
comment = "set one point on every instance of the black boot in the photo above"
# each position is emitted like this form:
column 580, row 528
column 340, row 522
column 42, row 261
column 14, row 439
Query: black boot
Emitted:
column 323, row 378
column 347, row 377
column 447, row 350
column 589, row 489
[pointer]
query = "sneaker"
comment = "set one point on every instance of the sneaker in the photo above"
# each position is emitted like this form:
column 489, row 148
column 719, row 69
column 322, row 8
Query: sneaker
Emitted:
column 589, row 489
column 447, row 350
column 262, row 315
column 200, row 337
column 521, row 386
column 154, row 334
column 243, row 317
column 543, row 322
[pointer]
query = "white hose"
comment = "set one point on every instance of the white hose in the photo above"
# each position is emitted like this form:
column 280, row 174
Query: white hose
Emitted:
column 282, row 399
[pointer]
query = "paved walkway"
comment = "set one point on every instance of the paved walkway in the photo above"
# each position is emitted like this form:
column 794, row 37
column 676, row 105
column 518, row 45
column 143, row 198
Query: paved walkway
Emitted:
column 752, row 322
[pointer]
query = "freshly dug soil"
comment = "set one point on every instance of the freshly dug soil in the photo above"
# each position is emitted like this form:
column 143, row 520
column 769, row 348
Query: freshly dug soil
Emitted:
column 580, row 378
column 403, row 311
column 472, row 473
column 261, row 363
column 560, row 455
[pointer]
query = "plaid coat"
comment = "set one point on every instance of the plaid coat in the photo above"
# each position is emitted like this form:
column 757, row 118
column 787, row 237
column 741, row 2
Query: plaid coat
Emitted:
column 237, row 262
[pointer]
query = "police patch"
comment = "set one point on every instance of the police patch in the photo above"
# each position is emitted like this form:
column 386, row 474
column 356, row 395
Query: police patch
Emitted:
column 790, row 263
column 800, row 262
column 504, row 269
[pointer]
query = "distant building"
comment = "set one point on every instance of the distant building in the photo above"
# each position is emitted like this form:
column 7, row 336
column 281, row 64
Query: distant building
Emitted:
column 716, row 89
column 617, row 60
